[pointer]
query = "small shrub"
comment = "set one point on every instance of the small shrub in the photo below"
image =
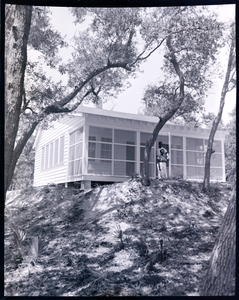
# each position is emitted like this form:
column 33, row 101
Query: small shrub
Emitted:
column 136, row 176
column 142, row 247
column 118, row 233
column 128, row 239
column 18, row 235
column 46, row 190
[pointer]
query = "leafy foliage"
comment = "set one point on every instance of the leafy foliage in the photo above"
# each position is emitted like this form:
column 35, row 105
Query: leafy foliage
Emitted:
column 230, row 149
column 195, row 40
column 43, row 38
column 24, row 171
column 108, row 50
column 19, row 236
column 207, row 120
column 229, row 75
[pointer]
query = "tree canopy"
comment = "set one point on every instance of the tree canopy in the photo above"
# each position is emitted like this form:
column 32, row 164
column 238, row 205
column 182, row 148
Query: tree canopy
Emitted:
column 228, row 85
column 106, row 53
column 230, row 148
column 192, row 44
column 196, row 43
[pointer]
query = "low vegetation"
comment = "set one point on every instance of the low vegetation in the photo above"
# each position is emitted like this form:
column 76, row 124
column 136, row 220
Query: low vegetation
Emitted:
column 123, row 239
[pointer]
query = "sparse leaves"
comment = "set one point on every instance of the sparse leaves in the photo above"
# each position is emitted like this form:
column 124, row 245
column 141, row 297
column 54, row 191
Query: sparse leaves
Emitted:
column 230, row 149
column 195, row 40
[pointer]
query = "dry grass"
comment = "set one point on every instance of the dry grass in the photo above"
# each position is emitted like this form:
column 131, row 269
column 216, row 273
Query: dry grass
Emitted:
column 123, row 239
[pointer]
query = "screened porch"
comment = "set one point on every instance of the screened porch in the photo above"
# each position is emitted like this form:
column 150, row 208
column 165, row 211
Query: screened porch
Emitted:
column 119, row 152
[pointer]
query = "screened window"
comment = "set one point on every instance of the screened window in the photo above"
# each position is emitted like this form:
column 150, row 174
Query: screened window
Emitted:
column 52, row 155
column 124, row 136
column 144, row 137
column 194, row 144
column 124, row 152
column 61, row 158
column 99, row 168
column 217, row 146
column 100, row 132
column 100, row 150
column 107, row 140
column 124, row 168
column 75, row 152
column 46, row 156
column 216, row 173
column 195, row 158
column 106, row 149
column 42, row 158
column 195, row 172
column 91, row 148
column 216, row 160
column 151, row 169
column 56, row 152
column 176, row 157
column 177, row 142
column 177, row 171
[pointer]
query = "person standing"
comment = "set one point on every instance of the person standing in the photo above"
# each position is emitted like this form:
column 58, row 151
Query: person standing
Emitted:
column 162, row 158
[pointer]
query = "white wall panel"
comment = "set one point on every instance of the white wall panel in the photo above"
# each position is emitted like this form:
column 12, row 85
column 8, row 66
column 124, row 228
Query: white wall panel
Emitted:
column 55, row 174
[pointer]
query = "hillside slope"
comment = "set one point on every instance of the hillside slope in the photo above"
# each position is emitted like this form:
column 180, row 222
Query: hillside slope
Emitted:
column 122, row 239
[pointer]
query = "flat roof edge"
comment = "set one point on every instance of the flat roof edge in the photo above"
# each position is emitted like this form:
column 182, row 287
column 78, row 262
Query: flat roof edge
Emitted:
column 143, row 118
column 117, row 114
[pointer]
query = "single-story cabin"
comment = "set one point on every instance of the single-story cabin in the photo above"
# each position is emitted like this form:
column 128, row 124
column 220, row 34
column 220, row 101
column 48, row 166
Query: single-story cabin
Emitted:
column 98, row 145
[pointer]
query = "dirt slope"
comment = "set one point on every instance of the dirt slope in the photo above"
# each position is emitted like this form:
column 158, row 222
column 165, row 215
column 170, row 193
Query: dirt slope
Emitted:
column 121, row 240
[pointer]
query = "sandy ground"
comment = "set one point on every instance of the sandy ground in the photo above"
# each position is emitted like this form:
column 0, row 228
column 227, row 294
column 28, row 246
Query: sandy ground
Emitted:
column 117, row 240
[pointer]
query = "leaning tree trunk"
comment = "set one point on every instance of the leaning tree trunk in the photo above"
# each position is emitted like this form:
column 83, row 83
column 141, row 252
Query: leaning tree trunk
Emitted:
column 220, row 277
column 206, row 181
column 18, row 21
column 166, row 117
column 145, row 172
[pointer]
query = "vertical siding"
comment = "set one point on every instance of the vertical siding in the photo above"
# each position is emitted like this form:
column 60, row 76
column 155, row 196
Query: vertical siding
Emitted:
column 56, row 174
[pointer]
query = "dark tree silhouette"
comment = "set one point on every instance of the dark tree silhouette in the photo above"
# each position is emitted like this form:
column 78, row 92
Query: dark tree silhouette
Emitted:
column 220, row 277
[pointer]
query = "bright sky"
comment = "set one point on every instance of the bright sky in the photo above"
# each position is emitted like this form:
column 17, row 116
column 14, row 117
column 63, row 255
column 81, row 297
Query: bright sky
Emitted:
column 131, row 100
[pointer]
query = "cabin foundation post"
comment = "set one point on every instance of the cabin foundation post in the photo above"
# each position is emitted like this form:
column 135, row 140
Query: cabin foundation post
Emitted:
column 66, row 184
column 85, row 184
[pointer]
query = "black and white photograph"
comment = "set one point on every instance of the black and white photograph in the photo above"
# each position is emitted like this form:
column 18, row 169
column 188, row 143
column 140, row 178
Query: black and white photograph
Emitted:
column 119, row 150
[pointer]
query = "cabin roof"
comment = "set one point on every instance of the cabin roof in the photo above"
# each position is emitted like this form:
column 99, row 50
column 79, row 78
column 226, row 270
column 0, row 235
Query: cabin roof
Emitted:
column 117, row 114
column 144, row 118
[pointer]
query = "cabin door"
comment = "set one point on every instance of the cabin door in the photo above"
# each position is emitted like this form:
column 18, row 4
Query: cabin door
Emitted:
column 130, row 155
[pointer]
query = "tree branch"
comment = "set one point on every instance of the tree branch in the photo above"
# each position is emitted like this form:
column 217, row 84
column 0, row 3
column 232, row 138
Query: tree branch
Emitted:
column 130, row 38
column 30, row 110
column 67, row 99
column 143, row 58
column 57, row 110
column 176, row 67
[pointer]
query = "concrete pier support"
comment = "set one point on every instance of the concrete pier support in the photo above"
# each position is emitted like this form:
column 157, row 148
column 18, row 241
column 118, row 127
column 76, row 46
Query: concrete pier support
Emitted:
column 85, row 185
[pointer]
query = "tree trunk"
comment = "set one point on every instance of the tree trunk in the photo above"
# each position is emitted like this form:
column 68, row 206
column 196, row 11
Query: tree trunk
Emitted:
column 19, row 21
column 145, row 173
column 220, row 277
column 206, row 181
column 166, row 117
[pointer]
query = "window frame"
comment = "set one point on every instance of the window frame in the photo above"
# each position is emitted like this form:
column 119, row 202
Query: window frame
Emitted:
column 73, row 143
column 106, row 142
column 50, row 154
